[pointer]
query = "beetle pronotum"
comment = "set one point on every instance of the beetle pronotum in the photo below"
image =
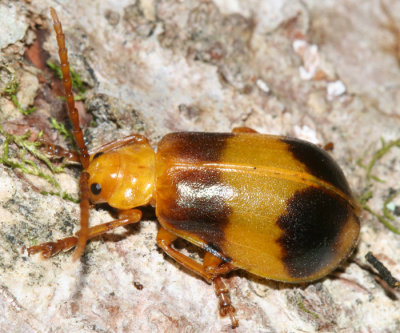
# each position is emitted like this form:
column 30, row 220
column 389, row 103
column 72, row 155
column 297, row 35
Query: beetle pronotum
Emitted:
column 275, row 206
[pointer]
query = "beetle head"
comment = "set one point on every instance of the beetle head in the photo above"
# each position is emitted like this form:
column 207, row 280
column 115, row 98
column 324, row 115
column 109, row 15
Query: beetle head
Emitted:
column 122, row 176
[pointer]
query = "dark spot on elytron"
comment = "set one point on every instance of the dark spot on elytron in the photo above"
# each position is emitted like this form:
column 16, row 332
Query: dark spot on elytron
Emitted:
column 97, row 155
column 95, row 188
column 197, row 206
column 319, row 163
column 311, row 229
column 199, row 146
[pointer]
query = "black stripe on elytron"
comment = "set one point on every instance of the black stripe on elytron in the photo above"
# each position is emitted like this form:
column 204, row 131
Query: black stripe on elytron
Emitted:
column 318, row 162
column 194, row 147
column 197, row 206
column 216, row 251
column 311, row 228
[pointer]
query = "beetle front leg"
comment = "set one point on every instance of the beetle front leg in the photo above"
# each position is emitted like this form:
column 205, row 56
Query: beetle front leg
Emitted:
column 50, row 249
column 56, row 151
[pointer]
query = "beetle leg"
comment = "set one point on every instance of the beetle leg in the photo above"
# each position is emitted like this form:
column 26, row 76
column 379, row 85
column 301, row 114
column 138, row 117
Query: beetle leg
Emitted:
column 84, row 210
column 212, row 266
column 211, row 270
column 52, row 248
column 225, row 305
column 218, row 267
column 165, row 240
column 243, row 129
column 56, row 151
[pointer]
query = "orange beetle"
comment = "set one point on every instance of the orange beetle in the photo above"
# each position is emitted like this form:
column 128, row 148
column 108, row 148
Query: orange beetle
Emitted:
column 275, row 206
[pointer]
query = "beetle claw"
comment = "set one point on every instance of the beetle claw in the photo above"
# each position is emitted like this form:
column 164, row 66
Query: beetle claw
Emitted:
column 229, row 310
column 46, row 249
column 234, row 321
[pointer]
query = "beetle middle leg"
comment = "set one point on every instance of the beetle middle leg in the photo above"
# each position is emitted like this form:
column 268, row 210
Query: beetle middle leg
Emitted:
column 211, row 270
column 165, row 240
column 217, row 267
column 52, row 248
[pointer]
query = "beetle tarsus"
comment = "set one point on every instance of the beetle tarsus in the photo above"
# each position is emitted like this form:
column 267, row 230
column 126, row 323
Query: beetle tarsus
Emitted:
column 225, row 304
column 56, row 151
column 50, row 249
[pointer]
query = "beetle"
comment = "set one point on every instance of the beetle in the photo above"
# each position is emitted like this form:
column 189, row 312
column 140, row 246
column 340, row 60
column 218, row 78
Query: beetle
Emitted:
column 275, row 206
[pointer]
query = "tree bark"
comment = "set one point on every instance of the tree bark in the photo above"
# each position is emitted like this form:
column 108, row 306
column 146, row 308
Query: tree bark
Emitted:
column 323, row 71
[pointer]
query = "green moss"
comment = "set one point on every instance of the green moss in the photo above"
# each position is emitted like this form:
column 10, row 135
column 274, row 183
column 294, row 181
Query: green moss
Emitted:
column 386, row 147
column 54, row 68
column 11, row 89
column 386, row 218
column 28, row 166
column 60, row 128
column 388, row 201
column 63, row 195
column 303, row 308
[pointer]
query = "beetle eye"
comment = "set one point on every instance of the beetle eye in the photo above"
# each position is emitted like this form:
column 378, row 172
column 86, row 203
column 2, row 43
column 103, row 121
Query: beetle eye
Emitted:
column 95, row 188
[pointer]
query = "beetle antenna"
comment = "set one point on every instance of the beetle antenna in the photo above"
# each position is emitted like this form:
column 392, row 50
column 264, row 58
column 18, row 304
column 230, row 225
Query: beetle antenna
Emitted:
column 77, row 132
column 69, row 95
